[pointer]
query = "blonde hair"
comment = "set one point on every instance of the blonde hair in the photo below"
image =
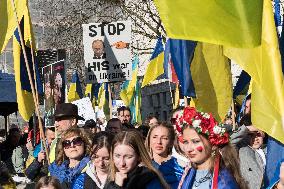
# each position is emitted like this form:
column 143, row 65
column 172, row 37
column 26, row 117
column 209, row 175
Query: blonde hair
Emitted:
column 171, row 133
column 134, row 139
column 70, row 133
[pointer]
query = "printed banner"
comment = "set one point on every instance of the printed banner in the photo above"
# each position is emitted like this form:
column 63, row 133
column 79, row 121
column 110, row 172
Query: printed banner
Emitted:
column 107, row 51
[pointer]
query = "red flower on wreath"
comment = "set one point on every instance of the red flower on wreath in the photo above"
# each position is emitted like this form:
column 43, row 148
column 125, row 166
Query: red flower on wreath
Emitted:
column 203, row 123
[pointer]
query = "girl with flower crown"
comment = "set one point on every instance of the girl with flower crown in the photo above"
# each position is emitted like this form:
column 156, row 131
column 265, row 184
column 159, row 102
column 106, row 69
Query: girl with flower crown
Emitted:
column 214, row 161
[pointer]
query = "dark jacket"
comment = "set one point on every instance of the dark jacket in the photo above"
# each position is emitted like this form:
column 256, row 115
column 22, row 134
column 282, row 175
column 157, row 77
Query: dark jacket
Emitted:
column 36, row 170
column 139, row 178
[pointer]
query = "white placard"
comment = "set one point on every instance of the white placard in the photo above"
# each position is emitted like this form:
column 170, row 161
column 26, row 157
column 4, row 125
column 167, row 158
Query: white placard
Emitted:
column 107, row 51
column 85, row 109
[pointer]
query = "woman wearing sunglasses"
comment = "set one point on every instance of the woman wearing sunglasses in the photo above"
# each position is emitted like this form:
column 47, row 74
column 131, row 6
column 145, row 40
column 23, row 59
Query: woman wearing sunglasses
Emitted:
column 74, row 151
column 130, row 165
column 97, row 169
column 159, row 143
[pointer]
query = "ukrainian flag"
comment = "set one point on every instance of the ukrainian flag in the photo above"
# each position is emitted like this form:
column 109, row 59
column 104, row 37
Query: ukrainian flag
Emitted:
column 75, row 90
column 128, row 87
column 23, row 88
column 8, row 21
column 155, row 67
column 234, row 23
column 92, row 91
column 103, row 99
column 135, row 104
column 263, row 64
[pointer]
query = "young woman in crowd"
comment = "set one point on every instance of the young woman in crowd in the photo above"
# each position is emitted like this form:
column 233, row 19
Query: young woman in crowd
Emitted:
column 74, row 150
column 131, row 165
column 214, row 161
column 159, row 143
column 97, row 169
column 178, row 151
column 48, row 182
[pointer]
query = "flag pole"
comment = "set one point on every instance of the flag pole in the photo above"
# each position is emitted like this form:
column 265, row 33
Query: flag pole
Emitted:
column 171, row 92
column 233, row 115
column 109, row 101
column 30, row 78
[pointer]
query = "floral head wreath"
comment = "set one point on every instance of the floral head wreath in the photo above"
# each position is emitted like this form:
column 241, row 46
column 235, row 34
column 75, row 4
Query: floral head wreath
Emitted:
column 203, row 123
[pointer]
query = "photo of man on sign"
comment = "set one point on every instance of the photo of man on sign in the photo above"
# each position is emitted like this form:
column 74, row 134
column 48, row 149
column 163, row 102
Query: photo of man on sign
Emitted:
column 99, row 49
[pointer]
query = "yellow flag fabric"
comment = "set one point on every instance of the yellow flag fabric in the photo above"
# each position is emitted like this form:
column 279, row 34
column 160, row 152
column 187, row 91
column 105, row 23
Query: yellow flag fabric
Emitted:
column 212, row 78
column 234, row 23
column 263, row 64
column 8, row 21
column 72, row 94
column 24, row 98
column 128, row 87
column 154, row 69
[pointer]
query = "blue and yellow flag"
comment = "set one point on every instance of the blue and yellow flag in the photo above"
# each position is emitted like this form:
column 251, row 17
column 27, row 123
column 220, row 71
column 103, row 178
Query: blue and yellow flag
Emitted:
column 242, row 87
column 23, row 88
column 135, row 104
column 212, row 80
column 75, row 90
column 156, row 67
column 234, row 23
column 263, row 64
column 128, row 88
column 103, row 99
column 92, row 91
column 8, row 21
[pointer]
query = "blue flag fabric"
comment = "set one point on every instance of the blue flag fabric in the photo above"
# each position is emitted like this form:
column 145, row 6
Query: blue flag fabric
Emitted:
column 159, row 48
column 243, row 81
column 181, row 52
column 25, row 82
column 75, row 79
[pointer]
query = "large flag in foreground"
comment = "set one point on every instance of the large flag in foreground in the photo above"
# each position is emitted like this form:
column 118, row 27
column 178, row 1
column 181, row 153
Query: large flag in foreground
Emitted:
column 23, row 88
column 226, row 22
column 75, row 90
column 8, row 22
column 263, row 64
column 156, row 67
column 128, row 88
column 212, row 80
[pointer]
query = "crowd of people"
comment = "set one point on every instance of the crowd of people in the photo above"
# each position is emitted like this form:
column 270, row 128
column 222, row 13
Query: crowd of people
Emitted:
column 190, row 150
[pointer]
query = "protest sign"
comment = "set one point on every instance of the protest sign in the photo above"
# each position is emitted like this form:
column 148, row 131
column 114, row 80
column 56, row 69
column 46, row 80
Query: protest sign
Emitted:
column 54, row 89
column 85, row 109
column 107, row 51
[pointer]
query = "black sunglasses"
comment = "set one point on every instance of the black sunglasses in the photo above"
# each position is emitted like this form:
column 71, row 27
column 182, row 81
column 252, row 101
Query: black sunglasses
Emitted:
column 78, row 141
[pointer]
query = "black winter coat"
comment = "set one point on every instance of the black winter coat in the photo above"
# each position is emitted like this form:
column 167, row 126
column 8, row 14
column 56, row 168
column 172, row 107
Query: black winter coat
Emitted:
column 139, row 178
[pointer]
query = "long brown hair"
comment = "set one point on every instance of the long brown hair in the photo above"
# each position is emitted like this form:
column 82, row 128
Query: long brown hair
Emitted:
column 70, row 133
column 171, row 132
column 133, row 139
column 229, row 159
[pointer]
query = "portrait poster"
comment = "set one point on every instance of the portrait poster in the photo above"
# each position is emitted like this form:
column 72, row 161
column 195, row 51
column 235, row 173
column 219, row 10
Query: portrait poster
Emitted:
column 107, row 51
column 54, row 89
